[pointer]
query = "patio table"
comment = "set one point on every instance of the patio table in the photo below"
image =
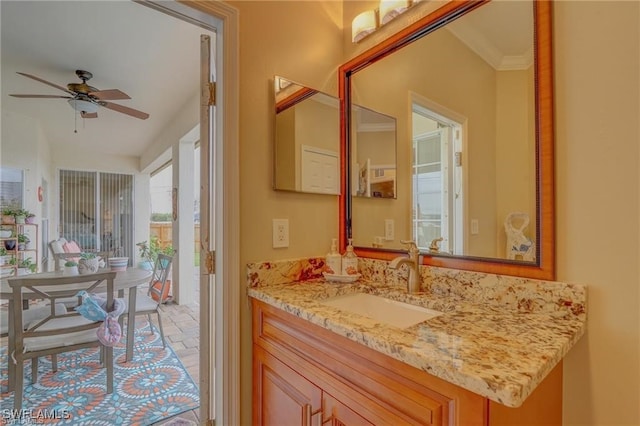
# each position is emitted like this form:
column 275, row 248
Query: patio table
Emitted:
column 130, row 279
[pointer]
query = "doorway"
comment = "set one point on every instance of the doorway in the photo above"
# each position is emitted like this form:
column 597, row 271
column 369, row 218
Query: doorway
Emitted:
column 437, row 178
column 220, row 345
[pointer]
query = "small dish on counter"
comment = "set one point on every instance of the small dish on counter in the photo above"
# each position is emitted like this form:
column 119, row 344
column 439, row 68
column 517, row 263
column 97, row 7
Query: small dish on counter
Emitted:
column 341, row 278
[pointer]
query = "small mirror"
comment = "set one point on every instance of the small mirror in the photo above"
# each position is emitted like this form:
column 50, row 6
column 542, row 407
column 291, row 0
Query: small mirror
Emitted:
column 307, row 139
column 374, row 149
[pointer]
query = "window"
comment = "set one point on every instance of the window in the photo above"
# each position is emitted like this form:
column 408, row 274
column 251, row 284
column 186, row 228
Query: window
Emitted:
column 96, row 210
column 11, row 188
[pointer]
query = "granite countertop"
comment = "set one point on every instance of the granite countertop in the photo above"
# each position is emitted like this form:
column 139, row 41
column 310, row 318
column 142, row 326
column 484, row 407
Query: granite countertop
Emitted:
column 499, row 352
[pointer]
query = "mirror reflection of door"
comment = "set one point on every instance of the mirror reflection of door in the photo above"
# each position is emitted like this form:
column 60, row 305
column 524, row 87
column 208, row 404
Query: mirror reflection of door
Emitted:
column 437, row 180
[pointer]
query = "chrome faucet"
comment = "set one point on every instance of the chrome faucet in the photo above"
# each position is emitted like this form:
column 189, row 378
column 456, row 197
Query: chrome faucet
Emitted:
column 413, row 262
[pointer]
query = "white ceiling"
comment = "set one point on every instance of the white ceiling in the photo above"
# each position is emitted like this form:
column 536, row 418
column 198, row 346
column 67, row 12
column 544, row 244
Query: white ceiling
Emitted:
column 500, row 32
column 148, row 55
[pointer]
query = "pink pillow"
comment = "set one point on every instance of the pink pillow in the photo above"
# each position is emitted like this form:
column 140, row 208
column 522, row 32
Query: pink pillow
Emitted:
column 71, row 247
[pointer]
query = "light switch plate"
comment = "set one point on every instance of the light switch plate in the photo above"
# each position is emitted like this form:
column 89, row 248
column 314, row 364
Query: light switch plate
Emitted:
column 280, row 233
column 389, row 230
column 474, row 227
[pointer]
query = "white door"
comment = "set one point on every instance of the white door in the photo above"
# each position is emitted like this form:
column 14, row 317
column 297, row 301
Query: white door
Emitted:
column 319, row 170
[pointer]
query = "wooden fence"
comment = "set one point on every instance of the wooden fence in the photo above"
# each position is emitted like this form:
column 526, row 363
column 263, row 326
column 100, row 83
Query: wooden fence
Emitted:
column 163, row 230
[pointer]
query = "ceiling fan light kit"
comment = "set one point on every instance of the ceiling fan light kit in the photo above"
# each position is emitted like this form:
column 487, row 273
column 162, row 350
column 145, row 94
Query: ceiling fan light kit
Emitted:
column 83, row 106
column 86, row 99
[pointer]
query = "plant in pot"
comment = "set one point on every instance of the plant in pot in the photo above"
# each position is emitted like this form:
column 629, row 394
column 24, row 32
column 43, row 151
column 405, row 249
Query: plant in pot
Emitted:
column 149, row 252
column 23, row 240
column 21, row 215
column 70, row 268
column 26, row 266
column 30, row 218
column 88, row 263
column 10, row 244
column 9, row 215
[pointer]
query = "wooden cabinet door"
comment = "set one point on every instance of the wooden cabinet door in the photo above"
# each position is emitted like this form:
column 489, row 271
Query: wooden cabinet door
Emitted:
column 337, row 414
column 281, row 396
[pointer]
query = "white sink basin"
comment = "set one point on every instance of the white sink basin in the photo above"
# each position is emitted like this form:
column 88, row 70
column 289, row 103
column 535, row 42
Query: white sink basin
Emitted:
column 381, row 309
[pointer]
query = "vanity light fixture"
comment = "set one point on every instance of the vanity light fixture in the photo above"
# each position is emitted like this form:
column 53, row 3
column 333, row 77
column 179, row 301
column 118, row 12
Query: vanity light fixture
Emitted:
column 363, row 25
column 369, row 21
column 389, row 9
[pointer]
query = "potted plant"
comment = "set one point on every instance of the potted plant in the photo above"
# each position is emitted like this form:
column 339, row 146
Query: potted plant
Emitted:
column 23, row 240
column 3, row 256
column 26, row 266
column 30, row 218
column 10, row 244
column 21, row 215
column 70, row 268
column 149, row 252
column 88, row 263
column 9, row 216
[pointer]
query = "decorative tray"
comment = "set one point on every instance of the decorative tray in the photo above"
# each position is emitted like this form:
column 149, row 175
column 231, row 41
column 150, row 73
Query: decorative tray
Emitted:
column 341, row 278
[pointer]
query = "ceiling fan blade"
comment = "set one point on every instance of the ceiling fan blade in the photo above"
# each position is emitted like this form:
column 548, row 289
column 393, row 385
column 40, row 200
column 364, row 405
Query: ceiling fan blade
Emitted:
column 45, row 82
column 125, row 110
column 89, row 114
column 109, row 95
column 42, row 96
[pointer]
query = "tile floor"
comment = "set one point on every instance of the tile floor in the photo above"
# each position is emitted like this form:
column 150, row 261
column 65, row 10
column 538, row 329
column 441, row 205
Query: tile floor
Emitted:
column 182, row 331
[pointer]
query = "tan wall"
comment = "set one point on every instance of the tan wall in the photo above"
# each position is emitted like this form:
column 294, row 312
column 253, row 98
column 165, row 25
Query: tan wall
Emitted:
column 598, row 185
column 515, row 151
column 597, row 53
column 300, row 40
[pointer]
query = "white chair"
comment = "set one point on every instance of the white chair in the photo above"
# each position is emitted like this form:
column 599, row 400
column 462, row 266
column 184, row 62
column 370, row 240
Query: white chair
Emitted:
column 149, row 304
column 57, row 332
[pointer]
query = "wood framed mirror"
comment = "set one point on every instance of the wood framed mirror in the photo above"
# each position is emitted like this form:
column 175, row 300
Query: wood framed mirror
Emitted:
column 540, row 262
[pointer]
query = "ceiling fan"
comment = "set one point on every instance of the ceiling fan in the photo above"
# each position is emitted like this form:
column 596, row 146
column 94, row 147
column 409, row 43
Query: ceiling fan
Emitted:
column 87, row 99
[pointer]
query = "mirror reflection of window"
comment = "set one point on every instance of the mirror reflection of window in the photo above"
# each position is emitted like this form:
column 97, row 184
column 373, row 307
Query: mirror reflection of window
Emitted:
column 437, row 177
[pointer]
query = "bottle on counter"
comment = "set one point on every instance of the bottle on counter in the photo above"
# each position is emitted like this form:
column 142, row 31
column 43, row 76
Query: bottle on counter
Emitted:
column 350, row 260
column 333, row 261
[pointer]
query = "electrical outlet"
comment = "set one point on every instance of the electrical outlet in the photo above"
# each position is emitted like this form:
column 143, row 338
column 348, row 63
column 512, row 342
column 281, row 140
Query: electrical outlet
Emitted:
column 280, row 233
column 474, row 227
column 389, row 230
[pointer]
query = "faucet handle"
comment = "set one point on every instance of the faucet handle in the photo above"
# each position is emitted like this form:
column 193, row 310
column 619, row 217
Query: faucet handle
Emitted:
column 413, row 248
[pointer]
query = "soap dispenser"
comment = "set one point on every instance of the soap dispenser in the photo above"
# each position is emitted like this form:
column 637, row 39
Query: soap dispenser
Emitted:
column 333, row 260
column 350, row 261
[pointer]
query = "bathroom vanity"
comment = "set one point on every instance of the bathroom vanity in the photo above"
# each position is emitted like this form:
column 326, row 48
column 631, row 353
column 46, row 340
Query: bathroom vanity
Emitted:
column 495, row 358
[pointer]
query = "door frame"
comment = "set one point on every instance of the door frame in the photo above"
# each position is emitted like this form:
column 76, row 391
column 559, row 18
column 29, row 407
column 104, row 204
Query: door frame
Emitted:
column 226, row 362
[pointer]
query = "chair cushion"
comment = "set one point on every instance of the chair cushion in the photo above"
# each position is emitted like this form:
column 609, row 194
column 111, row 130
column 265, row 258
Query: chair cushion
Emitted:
column 56, row 246
column 71, row 247
column 60, row 340
column 143, row 304
column 31, row 315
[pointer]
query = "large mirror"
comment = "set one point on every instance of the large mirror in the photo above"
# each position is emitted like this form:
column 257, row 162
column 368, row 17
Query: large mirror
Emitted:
column 472, row 99
column 307, row 143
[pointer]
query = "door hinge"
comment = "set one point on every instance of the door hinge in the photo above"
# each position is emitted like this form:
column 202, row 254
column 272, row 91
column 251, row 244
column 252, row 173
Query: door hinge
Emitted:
column 211, row 262
column 212, row 93
column 458, row 156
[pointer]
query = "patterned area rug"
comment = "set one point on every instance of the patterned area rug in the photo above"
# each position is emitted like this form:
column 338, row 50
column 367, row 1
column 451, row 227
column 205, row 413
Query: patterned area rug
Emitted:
column 153, row 387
